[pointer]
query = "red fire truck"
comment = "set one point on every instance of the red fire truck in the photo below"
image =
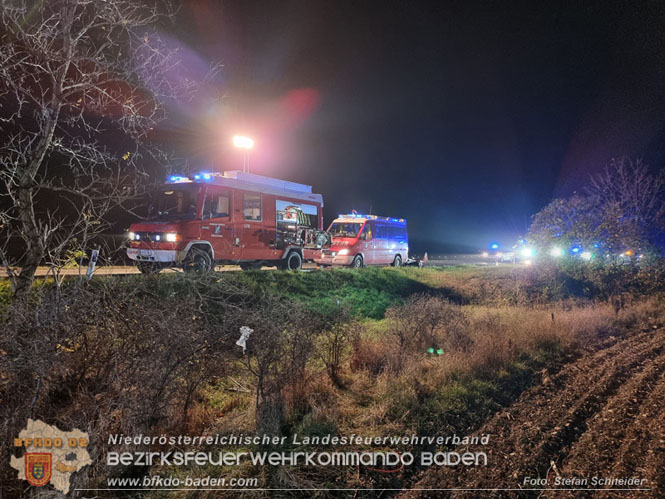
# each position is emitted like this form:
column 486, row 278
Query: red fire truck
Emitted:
column 229, row 218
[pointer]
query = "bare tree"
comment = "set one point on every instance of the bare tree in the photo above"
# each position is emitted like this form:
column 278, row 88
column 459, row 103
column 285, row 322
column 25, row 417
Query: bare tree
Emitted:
column 82, row 85
column 633, row 203
column 277, row 353
column 333, row 344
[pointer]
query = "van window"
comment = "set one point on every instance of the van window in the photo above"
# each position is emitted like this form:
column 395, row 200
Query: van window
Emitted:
column 382, row 232
column 251, row 207
column 390, row 232
column 344, row 229
column 399, row 233
column 216, row 205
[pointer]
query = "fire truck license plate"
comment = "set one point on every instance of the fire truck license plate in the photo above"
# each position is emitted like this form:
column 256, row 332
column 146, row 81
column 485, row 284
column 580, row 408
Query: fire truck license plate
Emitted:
column 146, row 253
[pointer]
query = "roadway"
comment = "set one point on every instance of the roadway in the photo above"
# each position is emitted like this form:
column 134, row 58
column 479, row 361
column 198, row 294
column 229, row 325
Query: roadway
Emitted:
column 435, row 261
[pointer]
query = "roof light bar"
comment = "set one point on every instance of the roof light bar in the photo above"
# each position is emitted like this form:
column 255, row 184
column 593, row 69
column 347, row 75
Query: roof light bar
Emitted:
column 371, row 217
column 178, row 179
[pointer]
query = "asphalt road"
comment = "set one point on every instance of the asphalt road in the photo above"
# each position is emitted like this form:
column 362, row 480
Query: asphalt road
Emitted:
column 438, row 260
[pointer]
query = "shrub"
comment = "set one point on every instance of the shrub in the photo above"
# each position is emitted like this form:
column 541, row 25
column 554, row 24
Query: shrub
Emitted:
column 425, row 322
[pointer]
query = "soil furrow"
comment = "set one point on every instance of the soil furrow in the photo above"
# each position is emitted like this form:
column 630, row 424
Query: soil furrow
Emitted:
column 599, row 416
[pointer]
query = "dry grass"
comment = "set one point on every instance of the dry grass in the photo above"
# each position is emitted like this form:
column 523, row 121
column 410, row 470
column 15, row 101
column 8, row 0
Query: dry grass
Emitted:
column 508, row 345
column 376, row 378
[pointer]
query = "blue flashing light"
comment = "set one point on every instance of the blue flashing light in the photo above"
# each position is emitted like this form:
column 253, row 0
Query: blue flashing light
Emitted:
column 595, row 245
column 494, row 246
column 575, row 249
column 372, row 217
column 177, row 179
column 203, row 176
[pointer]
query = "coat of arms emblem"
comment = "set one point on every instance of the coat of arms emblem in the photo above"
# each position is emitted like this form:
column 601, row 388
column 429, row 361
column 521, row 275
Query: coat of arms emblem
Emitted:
column 38, row 468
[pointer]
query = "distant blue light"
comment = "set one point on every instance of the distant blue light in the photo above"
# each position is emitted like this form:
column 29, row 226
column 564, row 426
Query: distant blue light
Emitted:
column 197, row 177
column 494, row 246
column 207, row 176
column 176, row 179
column 576, row 249
column 595, row 245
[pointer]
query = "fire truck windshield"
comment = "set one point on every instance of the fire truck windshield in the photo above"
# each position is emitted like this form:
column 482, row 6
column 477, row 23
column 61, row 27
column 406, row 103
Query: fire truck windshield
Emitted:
column 339, row 229
column 177, row 203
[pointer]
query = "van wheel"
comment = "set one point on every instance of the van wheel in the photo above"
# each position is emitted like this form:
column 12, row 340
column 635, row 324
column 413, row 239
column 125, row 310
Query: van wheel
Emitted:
column 357, row 262
column 197, row 260
column 397, row 262
column 148, row 268
column 293, row 261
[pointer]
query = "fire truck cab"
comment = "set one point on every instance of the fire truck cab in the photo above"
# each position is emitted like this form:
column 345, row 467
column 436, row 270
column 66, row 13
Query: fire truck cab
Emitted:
column 361, row 240
column 232, row 218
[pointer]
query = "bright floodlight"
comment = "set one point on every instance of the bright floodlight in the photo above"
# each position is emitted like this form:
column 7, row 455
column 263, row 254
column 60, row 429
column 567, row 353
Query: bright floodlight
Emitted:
column 556, row 252
column 527, row 252
column 242, row 142
column 586, row 255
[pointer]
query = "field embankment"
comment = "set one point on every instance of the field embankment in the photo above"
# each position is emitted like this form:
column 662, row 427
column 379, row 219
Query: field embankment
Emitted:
column 375, row 352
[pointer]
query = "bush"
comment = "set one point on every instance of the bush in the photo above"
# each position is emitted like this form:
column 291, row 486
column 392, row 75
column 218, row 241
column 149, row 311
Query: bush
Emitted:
column 427, row 322
column 115, row 356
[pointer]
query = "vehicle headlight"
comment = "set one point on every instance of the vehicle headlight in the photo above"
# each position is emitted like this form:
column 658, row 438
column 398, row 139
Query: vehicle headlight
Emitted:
column 131, row 236
column 172, row 237
column 527, row 252
column 344, row 251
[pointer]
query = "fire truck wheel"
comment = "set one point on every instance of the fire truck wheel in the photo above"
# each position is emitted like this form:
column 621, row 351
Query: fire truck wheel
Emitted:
column 357, row 262
column 397, row 262
column 293, row 261
column 197, row 260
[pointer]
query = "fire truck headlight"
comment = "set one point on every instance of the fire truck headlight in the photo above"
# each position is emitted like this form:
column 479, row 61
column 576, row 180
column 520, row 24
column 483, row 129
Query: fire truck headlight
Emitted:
column 172, row 237
column 344, row 251
column 131, row 236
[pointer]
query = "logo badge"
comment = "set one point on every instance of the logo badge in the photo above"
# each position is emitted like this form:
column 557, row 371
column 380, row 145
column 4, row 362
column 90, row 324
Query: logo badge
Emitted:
column 38, row 468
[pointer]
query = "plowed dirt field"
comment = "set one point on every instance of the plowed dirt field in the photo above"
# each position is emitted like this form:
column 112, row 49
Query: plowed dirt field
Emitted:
column 600, row 416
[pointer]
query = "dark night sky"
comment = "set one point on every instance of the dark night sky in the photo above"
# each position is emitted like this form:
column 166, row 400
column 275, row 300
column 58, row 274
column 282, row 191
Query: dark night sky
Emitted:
column 466, row 118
